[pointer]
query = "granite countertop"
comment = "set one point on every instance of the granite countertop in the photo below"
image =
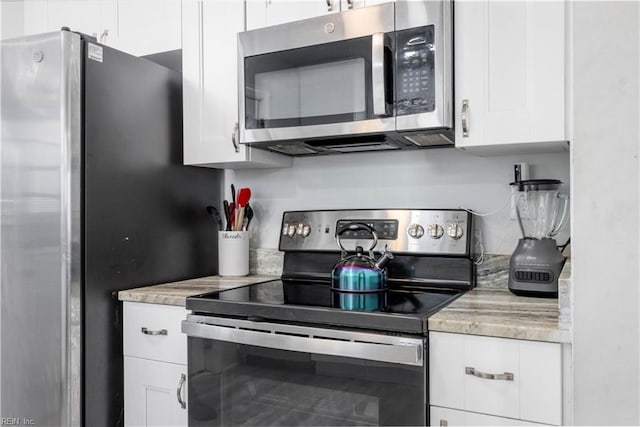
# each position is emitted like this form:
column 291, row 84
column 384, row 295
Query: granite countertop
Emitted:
column 176, row 293
column 499, row 313
column 492, row 310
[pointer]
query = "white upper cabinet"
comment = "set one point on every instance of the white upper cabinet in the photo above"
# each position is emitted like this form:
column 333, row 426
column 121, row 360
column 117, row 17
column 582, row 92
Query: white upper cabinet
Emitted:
column 263, row 13
column 148, row 26
column 510, row 75
column 210, row 88
column 354, row 4
column 93, row 17
column 138, row 27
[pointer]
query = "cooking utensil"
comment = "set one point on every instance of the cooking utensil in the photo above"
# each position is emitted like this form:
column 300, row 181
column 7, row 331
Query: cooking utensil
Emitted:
column 233, row 194
column 225, row 205
column 232, row 216
column 248, row 212
column 216, row 215
column 244, row 194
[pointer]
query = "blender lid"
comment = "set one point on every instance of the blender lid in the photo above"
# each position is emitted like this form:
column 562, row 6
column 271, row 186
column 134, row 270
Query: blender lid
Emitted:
column 537, row 184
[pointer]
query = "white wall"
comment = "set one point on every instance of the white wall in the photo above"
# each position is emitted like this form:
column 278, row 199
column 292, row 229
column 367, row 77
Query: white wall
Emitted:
column 605, row 220
column 432, row 178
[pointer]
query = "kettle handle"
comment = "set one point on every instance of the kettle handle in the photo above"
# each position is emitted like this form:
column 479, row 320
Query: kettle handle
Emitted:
column 353, row 226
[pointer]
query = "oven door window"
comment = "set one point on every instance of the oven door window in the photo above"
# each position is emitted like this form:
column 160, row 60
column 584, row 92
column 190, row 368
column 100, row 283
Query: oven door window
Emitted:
column 241, row 385
column 344, row 81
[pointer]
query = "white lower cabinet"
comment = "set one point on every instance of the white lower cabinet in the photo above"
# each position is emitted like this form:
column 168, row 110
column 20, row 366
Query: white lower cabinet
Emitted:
column 155, row 393
column 498, row 377
column 155, row 365
column 452, row 417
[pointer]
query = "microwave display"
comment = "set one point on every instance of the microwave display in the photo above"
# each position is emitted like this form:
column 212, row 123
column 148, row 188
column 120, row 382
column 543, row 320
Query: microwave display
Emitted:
column 415, row 82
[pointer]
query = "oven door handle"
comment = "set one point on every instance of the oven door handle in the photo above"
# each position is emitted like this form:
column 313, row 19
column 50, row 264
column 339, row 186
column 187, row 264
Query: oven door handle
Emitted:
column 405, row 351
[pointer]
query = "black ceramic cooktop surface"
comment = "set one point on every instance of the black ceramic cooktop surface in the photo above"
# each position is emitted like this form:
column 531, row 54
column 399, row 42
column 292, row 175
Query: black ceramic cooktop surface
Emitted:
column 403, row 309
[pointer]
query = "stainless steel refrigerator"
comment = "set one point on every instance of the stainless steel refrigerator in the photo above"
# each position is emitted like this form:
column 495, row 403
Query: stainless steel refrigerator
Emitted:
column 94, row 199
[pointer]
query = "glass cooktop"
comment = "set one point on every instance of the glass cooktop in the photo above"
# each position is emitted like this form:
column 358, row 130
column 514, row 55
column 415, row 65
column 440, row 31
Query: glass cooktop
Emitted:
column 402, row 308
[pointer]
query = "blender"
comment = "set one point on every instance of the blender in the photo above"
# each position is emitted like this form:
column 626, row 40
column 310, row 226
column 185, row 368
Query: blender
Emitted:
column 536, row 262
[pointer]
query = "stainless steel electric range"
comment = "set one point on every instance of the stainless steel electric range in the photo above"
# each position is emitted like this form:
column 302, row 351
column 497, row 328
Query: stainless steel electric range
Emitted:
column 287, row 352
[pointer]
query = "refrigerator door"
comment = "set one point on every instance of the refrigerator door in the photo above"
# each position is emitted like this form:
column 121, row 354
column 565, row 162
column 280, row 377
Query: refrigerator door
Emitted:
column 40, row 320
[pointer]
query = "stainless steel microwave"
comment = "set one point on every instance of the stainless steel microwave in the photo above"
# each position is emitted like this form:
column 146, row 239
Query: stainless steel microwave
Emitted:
column 374, row 78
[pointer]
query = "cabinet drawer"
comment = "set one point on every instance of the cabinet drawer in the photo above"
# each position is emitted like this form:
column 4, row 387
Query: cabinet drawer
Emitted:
column 452, row 417
column 496, row 376
column 152, row 331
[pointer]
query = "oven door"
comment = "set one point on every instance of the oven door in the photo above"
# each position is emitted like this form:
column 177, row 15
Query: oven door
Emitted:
column 317, row 78
column 244, row 373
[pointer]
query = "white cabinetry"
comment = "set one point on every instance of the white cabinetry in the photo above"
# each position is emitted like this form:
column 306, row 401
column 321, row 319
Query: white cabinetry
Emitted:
column 148, row 26
column 210, row 88
column 263, row 13
column 510, row 75
column 93, row 17
column 354, row 4
column 514, row 379
column 139, row 27
column 155, row 365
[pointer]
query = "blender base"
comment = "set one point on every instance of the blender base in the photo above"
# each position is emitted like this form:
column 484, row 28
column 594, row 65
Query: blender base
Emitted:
column 535, row 267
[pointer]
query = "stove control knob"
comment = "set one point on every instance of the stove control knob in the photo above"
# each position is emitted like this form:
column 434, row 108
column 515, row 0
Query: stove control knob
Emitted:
column 416, row 231
column 303, row 229
column 454, row 230
column 291, row 230
column 435, row 231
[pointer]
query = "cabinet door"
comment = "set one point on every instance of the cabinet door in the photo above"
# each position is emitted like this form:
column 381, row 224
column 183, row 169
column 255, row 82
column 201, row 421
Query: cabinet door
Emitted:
column 92, row 17
column 79, row 15
column 210, row 87
column 498, row 376
column 354, row 4
column 154, row 392
column 148, row 26
column 510, row 72
column 451, row 417
column 261, row 13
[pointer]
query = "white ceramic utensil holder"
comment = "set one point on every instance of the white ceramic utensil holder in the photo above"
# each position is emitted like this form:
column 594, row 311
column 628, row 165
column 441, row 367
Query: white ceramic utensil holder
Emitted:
column 233, row 253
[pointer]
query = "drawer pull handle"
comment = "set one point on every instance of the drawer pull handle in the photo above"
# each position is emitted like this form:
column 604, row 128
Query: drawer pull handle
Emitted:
column 160, row 332
column 183, row 379
column 507, row 376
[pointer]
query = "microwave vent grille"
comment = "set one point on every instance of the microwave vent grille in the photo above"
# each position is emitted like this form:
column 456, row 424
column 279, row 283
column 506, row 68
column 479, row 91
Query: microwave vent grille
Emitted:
column 293, row 150
column 428, row 139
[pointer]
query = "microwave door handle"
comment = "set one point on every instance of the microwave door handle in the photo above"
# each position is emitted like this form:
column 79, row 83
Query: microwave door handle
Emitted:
column 378, row 80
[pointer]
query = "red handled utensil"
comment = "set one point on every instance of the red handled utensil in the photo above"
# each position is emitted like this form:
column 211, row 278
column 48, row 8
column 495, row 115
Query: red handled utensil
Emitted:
column 244, row 195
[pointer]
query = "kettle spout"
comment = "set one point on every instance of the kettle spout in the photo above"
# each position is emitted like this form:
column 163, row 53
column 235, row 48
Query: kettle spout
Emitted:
column 384, row 259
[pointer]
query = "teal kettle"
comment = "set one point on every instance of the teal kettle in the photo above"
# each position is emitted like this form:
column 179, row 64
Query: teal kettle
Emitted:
column 358, row 281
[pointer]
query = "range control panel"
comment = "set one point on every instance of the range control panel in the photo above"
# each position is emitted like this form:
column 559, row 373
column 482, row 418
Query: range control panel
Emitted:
column 417, row 231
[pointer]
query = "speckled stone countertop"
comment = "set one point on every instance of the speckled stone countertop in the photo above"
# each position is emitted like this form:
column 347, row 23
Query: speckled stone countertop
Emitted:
column 176, row 293
column 499, row 313
column 494, row 311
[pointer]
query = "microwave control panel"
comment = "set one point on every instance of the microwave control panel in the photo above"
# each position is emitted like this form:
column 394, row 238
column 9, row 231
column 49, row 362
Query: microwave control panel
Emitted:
column 415, row 81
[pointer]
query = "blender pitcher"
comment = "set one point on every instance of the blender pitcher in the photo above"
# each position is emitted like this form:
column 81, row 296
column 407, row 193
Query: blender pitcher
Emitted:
column 536, row 262
column 540, row 209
